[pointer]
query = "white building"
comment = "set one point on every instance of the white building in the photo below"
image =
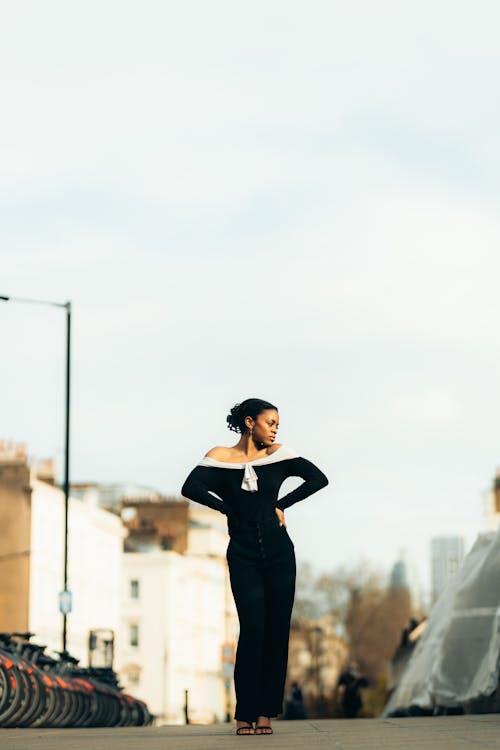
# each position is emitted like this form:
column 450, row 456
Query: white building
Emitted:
column 169, row 601
column 32, row 553
column 447, row 554
column 95, row 541
column 109, row 495
column 177, row 613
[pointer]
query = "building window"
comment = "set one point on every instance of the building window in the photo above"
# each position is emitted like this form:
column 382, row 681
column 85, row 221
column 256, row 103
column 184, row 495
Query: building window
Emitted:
column 134, row 589
column 131, row 674
column 167, row 542
column 134, row 677
column 134, row 634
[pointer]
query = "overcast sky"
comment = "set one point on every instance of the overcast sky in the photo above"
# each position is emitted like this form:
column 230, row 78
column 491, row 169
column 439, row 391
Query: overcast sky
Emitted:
column 291, row 200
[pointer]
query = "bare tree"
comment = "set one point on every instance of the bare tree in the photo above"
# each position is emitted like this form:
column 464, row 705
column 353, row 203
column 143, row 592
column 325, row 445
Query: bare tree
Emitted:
column 375, row 620
column 370, row 614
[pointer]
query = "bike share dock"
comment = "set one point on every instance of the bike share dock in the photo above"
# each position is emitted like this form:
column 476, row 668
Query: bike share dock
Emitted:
column 425, row 733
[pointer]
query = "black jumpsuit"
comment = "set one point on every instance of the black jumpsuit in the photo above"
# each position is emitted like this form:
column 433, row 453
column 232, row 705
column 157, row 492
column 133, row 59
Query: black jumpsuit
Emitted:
column 261, row 560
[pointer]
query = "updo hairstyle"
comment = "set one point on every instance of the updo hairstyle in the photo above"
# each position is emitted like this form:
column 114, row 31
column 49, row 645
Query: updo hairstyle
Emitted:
column 251, row 407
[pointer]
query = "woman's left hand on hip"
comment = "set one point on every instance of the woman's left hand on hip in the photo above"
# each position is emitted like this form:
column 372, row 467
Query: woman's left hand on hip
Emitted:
column 281, row 516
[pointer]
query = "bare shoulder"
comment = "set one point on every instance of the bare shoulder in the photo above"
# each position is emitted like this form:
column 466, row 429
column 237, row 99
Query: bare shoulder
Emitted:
column 274, row 448
column 219, row 452
column 223, row 453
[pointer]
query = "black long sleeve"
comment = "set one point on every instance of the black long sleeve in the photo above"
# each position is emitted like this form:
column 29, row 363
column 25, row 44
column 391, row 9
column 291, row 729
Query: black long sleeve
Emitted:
column 196, row 487
column 314, row 481
column 243, row 505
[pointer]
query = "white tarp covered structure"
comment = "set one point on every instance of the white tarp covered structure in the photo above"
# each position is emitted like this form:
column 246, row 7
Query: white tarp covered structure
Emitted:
column 456, row 661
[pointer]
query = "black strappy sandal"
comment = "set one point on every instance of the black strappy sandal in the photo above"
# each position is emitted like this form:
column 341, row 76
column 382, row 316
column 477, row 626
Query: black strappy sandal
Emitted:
column 267, row 727
column 244, row 730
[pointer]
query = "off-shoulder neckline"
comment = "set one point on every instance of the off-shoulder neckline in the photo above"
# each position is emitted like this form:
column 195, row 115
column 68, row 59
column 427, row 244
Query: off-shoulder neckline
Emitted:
column 282, row 453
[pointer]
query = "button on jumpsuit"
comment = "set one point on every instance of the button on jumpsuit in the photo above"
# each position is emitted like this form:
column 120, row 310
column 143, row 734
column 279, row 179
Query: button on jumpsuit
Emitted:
column 262, row 567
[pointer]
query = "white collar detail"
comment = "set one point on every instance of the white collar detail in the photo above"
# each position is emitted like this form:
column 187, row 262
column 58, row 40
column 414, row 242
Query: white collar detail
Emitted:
column 249, row 481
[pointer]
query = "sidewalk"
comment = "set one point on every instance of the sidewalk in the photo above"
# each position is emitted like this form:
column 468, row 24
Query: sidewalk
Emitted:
column 450, row 732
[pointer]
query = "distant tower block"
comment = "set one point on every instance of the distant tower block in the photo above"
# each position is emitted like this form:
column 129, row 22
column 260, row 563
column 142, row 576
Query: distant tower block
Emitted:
column 399, row 576
column 447, row 553
column 493, row 504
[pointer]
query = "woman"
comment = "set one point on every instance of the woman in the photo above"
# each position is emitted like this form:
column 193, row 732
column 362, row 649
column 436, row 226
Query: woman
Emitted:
column 260, row 555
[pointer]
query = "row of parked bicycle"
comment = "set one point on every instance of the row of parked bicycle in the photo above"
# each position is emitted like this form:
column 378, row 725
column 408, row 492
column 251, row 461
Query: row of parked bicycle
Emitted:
column 38, row 690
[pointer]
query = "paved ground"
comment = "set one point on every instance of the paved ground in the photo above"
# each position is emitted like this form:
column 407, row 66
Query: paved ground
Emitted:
column 451, row 732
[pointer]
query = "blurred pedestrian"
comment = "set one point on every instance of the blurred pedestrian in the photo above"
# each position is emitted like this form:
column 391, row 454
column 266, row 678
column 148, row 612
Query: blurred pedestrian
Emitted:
column 352, row 681
column 295, row 708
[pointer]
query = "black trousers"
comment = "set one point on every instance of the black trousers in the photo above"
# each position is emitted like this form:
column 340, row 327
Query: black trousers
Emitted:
column 262, row 570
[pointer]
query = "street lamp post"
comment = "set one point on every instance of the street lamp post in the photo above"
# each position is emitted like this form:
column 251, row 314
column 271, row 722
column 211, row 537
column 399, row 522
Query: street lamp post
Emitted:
column 65, row 598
